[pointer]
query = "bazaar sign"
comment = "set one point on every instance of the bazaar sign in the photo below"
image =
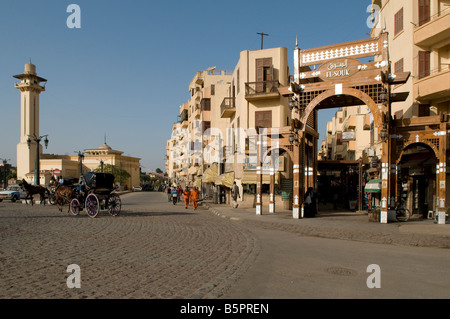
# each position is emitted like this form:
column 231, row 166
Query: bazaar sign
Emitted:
column 338, row 69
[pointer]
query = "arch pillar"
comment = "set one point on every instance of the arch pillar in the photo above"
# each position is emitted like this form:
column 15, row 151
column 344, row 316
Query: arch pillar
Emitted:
column 442, row 180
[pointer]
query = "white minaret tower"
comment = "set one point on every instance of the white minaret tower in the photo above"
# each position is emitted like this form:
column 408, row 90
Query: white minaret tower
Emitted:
column 30, row 88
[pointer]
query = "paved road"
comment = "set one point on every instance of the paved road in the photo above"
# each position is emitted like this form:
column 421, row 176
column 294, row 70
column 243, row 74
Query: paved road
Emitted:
column 153, row 249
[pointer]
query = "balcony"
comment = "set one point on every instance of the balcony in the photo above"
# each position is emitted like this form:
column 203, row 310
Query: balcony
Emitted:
column 228, row 107
column 435, row 31
column 350, row 123
column 435, row 86
column 261, row 90
column 184, row 115
column 197, row 112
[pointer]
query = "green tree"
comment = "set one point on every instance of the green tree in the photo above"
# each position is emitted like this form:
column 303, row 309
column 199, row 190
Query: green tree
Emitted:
column 159, row 171
column 120, row 175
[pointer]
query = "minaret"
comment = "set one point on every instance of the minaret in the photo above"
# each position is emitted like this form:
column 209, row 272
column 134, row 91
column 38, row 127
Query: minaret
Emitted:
column 30, row 88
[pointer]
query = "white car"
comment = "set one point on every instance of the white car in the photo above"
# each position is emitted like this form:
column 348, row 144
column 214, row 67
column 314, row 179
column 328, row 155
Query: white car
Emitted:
column 13, row 193
column 137, row 188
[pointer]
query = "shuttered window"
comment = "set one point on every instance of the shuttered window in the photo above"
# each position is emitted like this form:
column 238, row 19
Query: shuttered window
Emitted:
column 424, row 64
column 398, row 22
column 264, row 72
column 263, row 119
column 398, row 66
column 424, row 11
column 206, row 104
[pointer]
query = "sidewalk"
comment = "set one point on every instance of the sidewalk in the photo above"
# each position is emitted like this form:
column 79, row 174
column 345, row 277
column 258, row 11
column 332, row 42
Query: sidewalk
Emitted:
column 343, row 225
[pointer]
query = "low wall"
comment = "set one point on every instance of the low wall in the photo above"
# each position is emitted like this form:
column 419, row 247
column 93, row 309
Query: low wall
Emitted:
column 249, row 201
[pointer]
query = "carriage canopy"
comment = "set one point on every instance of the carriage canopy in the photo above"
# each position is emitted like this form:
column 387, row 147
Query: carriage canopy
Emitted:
column 99, row 180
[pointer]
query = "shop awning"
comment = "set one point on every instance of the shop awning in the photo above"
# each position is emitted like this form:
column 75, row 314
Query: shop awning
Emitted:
column 210, row 175
column 249, row 177
column 226, row 180
column 373, row 186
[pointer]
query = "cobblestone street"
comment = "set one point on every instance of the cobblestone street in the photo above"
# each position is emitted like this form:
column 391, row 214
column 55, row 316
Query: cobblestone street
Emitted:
column 162, row 251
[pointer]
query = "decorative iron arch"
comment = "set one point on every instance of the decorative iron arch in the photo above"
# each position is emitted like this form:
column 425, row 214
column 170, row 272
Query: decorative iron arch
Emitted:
column 365, row 99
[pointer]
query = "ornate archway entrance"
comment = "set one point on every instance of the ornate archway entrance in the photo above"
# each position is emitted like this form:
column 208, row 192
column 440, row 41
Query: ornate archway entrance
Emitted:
column 334, row 76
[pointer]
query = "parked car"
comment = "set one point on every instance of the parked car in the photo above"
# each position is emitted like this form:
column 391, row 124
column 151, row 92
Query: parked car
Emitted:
column 147, row 188
column 13, row 193
column 137, row 188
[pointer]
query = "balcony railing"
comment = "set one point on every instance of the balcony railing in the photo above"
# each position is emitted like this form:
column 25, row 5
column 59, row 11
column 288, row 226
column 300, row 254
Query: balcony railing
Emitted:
column 228, row 107
column 257, row 90
column 433, row 30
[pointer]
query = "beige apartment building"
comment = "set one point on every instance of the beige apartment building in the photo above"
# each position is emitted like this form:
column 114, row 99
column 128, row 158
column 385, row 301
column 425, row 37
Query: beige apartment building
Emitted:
column 225, row 111
column 190, row 151
column 350, row 135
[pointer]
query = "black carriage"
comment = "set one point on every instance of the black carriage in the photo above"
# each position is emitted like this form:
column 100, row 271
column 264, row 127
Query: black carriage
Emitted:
column 95, row 192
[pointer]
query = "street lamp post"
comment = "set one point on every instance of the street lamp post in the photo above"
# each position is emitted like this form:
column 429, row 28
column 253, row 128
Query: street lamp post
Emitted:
column 37, row 140
column 80, row 160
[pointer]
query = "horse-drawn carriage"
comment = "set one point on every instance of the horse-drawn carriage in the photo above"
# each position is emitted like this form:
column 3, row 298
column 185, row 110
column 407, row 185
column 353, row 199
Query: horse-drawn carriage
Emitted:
column 94, row 192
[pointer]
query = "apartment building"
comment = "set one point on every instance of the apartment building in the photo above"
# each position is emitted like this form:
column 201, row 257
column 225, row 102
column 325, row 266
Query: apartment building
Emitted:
column 225, row 111
column 419, row 42
column 350, row 134
column 197, row 128
column 255, row 104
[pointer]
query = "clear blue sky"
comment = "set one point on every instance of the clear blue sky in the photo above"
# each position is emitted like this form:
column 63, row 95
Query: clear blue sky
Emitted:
column 127, row 70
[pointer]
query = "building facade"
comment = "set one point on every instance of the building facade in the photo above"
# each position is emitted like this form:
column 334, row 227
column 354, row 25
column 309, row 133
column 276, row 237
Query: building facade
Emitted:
column 420, row 43
column 223, row 116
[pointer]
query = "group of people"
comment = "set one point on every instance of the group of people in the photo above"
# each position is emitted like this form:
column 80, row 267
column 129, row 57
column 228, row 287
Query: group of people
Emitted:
column 190, row 195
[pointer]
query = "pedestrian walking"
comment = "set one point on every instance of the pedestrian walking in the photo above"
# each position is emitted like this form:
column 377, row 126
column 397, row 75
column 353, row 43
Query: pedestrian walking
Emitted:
column 195, row 195
column 174, row 195
column 187, row 197
column 310, row 203
column 235, row 194
column 180, row 192
column 169, row 193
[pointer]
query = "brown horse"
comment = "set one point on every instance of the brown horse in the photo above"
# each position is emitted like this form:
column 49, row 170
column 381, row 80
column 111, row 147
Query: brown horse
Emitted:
column 63, row 194
column 32, row 190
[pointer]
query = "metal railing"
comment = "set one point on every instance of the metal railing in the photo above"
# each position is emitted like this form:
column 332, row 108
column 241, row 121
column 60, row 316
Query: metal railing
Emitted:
column 427, row 19
column 253, row 88
column 227, row 103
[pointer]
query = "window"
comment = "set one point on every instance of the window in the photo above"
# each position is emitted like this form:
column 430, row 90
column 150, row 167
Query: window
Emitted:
column 206, row 104
column 424, row 64
column 339, row 138
column 424, row 11
column 263, row 119
column 213, row 89
column 398, row 66
column 264, row 72
column 424, row 110
column 206, row 125
column 398, row 23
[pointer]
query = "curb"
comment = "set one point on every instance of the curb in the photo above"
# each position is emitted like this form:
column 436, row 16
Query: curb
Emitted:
column 415, row 238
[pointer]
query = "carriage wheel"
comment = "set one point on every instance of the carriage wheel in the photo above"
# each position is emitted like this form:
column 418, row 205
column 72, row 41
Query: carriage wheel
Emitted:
column 75, row 206
column 114, row 205
column 92, row 205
